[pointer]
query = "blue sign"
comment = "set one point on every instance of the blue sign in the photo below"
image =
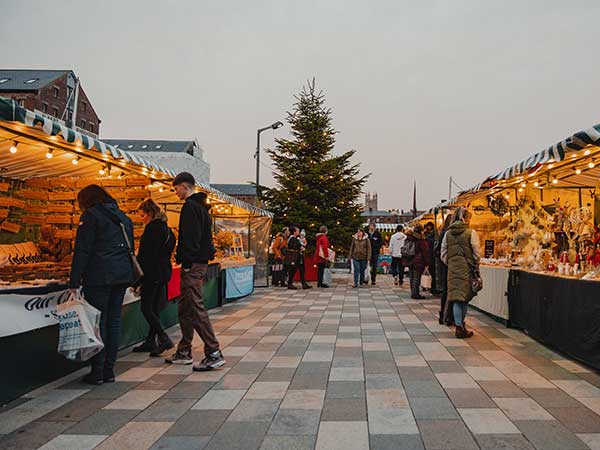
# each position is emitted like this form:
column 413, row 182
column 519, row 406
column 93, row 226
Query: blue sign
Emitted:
column 239, row 282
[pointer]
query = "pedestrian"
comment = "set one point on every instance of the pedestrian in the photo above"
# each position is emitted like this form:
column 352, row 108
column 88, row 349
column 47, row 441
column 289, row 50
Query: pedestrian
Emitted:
column 154, row 255
column 445, row 315
column 360, row 253
column 292, row 256
column 322, row 252
column 102, row 266
column 415, row 255
column 396, row 242
column 376, row 244
column 195, row 249
column 461, row 253
column 279, row 245
column 301, row 262
column 430, row 238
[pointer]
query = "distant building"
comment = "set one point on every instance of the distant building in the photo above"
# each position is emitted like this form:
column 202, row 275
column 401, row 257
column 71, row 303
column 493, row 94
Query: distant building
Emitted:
column 179, row 156
column 372, row 214
column 51, row 93
column 371, row 202
column 243, row 192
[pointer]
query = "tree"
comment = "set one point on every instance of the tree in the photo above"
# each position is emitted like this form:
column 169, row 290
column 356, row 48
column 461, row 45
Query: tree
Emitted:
column 314, row 186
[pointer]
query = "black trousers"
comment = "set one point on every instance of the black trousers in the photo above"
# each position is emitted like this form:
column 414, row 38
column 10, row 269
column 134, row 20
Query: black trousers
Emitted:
column 154, row 300
column 302, row 271
column 397, row 269
column 291, row 272
column 415, row 281
column 374, row 260
column 320, row 271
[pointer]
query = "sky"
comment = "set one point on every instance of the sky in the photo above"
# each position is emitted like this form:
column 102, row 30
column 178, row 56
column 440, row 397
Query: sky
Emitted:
column 421, row 90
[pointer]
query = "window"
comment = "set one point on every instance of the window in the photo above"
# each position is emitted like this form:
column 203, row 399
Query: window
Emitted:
column 70, row 115
column 158, row 147
column 117, row 145
column 45, row 107
column 130, row 146
column 83, row 123
column 91, row 127
column 55, row 92
column 31, row 80
column 84, row 106
column 145, row 146
column 21, row 102
column 55, row 111
column 4, row 80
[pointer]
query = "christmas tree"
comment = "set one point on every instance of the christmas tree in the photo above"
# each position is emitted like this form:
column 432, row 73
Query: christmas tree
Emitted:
column 314, row 186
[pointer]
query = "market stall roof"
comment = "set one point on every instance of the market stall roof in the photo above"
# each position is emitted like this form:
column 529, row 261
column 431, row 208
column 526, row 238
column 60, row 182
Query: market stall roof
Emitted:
column 37, row 135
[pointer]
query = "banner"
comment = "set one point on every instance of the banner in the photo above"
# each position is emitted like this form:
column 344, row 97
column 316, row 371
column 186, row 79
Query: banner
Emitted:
column 239, row 282
column 21, row 313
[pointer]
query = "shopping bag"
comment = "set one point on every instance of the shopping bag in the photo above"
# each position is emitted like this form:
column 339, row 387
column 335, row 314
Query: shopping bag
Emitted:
column 426, row 280
column 331, row 255
column 327, row 276
column 79, row 329
column 368, row 273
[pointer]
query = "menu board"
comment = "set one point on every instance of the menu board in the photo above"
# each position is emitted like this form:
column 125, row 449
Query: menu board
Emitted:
column 489, row 248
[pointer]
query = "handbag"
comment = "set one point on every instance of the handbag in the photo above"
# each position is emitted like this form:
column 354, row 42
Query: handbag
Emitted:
column 475, row 280
column 426, row 279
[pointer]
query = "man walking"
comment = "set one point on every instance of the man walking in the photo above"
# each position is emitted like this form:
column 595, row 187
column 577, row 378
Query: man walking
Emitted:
column 194, row 250
column 396, row 242
column 376, row 244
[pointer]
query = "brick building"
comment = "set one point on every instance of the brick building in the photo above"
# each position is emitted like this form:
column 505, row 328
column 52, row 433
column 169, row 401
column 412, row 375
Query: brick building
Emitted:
column 243, row 192
column 53, row 93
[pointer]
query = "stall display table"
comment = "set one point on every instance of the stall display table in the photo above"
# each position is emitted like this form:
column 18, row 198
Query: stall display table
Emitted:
column 492, row 299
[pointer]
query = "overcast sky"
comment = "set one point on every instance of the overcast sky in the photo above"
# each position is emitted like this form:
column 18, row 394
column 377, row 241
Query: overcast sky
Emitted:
column 421, row 89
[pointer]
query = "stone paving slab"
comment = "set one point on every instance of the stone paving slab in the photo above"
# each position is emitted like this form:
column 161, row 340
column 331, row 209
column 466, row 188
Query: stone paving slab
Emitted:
column 343, row 368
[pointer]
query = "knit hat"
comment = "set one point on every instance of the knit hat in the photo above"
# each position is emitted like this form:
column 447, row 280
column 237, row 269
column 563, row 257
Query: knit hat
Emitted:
column 184, row 177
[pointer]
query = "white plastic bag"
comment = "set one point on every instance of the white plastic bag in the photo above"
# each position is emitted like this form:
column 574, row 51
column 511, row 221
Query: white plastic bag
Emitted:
column 79, row 329
column 426, row 280
column 368, row 273
column 327, row 276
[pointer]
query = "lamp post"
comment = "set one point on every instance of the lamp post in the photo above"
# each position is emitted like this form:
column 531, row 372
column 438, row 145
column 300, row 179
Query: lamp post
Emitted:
column 273, row 126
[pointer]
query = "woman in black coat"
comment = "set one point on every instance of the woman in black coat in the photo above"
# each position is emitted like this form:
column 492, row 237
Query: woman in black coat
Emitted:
column 102, row 266
column 156, row 247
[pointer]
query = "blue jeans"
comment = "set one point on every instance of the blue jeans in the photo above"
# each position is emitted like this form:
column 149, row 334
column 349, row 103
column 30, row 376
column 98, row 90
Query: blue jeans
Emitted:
column 360, row 265
column 108, row 300
column 460, row 312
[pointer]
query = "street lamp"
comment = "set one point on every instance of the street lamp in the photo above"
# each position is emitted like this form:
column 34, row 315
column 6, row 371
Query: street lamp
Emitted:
column 273, row 126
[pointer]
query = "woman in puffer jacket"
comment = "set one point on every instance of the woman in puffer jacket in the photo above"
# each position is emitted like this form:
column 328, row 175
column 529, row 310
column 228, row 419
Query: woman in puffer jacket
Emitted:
column 360, row 253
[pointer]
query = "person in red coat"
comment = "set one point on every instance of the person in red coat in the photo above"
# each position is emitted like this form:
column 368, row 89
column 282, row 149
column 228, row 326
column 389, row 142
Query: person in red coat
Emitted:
column 322, row 252
column 417, row 263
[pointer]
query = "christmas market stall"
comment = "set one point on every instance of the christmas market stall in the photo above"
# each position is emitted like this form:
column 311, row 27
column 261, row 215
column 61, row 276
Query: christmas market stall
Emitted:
column 43, row 164
column 538, row 225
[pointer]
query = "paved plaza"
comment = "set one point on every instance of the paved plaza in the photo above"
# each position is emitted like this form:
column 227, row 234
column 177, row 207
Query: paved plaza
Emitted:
column 327, row 369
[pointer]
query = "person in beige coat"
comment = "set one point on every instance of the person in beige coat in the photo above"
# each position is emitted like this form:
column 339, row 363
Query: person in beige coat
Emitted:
column 360, row 253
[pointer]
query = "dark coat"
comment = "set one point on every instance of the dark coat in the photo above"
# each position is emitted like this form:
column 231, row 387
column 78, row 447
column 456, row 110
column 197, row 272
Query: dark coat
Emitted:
column 195, row 244
column 376, row 242
column 460, row 260
column 156, row 247
column 421, row 259
column 101, row 256
column 293, row 249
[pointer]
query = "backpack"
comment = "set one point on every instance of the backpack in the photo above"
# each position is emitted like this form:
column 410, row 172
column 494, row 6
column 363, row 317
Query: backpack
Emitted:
column 409, row 249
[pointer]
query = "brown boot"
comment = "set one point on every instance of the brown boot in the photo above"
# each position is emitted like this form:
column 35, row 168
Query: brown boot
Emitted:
column 461, row 333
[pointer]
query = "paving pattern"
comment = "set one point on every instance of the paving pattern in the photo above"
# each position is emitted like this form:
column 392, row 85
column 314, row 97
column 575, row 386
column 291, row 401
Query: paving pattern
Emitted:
column 327, row 369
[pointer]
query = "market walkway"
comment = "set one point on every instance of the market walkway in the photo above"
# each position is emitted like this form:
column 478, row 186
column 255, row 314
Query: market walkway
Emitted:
column 328, row 369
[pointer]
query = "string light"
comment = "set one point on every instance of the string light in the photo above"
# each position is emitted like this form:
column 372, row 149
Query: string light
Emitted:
column 536, row 183
column 13, row 148
column 591, row 164
column 587, row 152
column 523, row 184
column 75, row 160
column 578, row 171
column 554, row 180
column 49, row 154
column 102, row 170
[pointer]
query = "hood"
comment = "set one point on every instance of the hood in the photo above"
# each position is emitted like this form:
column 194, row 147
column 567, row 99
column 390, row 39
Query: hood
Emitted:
column 398, row 235
column 365, row 236
column 111, row 206
column 319, row 234
column 457, row 228
column 200, row 198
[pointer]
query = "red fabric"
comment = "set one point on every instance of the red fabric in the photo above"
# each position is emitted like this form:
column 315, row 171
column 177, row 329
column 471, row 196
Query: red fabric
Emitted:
column 310, row 265
column 174, row 287
column 322, row 245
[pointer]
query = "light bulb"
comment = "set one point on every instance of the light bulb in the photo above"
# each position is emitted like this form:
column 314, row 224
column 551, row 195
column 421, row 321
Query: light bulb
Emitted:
column 591, row 164
column 520, row 189
column 49, row 154
column 523, row 184
column 587, row 152
column 555, row 180
column 578, row 171
column 551, row 166
column 160, row 189
column 536, row 183
column 75, row 161
column 13, row 148
column 102, row 170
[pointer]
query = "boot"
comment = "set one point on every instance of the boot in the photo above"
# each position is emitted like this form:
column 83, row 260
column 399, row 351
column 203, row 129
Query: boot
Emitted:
column 147, row 346
column 306, row 286
column 291, row 286
column 461, row 333
column 164, row 344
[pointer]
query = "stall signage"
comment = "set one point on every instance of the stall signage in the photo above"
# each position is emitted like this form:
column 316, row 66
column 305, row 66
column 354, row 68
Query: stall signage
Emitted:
column 22, row 313
column 489, row 248
column 239, row 281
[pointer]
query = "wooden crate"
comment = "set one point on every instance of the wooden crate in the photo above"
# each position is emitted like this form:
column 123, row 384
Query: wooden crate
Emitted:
column 64, row 234
column 59, row 219
column 62, row 196
column 30, row 194
column 83, row 182
column 60, row 208
column 11, row 227
column 117, row 194
column 4, row 213
column 4, row 187
column 114, row 182
column 137, row 193
column 137, row 181
column 36, row 209
column 10, row 201
column 43, row 183
column 33, row 220
column 64, row 182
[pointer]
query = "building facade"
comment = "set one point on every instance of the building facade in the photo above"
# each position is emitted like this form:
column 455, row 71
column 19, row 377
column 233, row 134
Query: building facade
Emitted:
column 243, row 192
column 55, row 93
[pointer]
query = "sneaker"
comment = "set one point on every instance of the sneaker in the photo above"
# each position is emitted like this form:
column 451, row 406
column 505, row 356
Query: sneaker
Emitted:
column 211, row 362
column 291, row 286
column 178, row 358
column 162, row 346
column 144, row 347
column 307, row 286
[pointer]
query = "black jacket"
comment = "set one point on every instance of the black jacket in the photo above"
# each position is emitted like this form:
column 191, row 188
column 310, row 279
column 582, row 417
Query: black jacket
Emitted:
column 101, row 256
column 195, row 234
column 376, row 243
column 295, row 246
column 156, row 247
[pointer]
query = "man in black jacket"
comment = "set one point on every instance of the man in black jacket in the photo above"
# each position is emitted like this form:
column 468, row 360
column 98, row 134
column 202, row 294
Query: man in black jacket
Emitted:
column 194, row 250
column 376, row 244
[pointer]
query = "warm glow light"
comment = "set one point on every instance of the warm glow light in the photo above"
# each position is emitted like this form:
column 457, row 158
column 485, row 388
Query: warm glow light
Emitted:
column 587, row 152
column 49, row 154
column 523, row 184
column 75, row 161
column 591, row 164
column 555, row 181
column 160, row 189
column 520, row 189
column 536, row 183
column 551, row 166
column 102, row 171
column 578, row 171
column 13, row 148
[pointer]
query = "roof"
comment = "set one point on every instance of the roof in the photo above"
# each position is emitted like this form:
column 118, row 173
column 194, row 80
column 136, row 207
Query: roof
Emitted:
column 17, row 79
column 139, row 145
column 235, row 189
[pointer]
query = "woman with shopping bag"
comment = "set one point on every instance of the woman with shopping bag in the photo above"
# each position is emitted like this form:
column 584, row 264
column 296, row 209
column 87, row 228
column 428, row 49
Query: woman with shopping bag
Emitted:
column 360, row 253
column 102, row 265
column 322, row 252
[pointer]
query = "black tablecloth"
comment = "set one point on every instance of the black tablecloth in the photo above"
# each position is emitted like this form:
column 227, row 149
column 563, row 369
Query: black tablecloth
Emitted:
column 560, row 312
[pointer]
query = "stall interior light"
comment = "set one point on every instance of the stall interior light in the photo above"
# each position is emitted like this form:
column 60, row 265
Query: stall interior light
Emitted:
column 551, row 166
column 75, row 160
column 13, row 148
column 520, row 189
column 49, row 154
column 523, row 184
column 578, row 171
column 102, row 170
column 591, row 164
column 554, row 180
column 587, row 152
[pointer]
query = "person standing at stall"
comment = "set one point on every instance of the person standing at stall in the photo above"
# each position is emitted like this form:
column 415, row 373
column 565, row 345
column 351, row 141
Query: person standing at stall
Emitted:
column 445, row 315
column 156, row 247
column 322, row 251
column 359, row 254
column 415, row 255
column 376, row 244
column 102, row 266
column 194, row 250
column 301, row 262
column 292, row 255
column 396, row 242
column 430, row 237
column 461, row 253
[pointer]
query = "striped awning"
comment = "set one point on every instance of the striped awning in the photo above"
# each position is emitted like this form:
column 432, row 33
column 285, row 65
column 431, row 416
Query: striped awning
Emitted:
column 11, row 114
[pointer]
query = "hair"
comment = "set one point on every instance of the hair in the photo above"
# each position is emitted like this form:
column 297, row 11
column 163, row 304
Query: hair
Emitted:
column 184, row 178
column 150, row 207
column 361, row 230
column 284, row 229
column 372, row 223
column 418, row 228
column 448, row 221
column 293, row 229
column 399, row 228
column 430, row 224
column 461, row 214
column 93, row 195
column 322, row 229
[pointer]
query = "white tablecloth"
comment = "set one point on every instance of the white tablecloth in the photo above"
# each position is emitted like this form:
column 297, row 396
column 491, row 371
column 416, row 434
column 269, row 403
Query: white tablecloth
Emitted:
column 493, row 297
